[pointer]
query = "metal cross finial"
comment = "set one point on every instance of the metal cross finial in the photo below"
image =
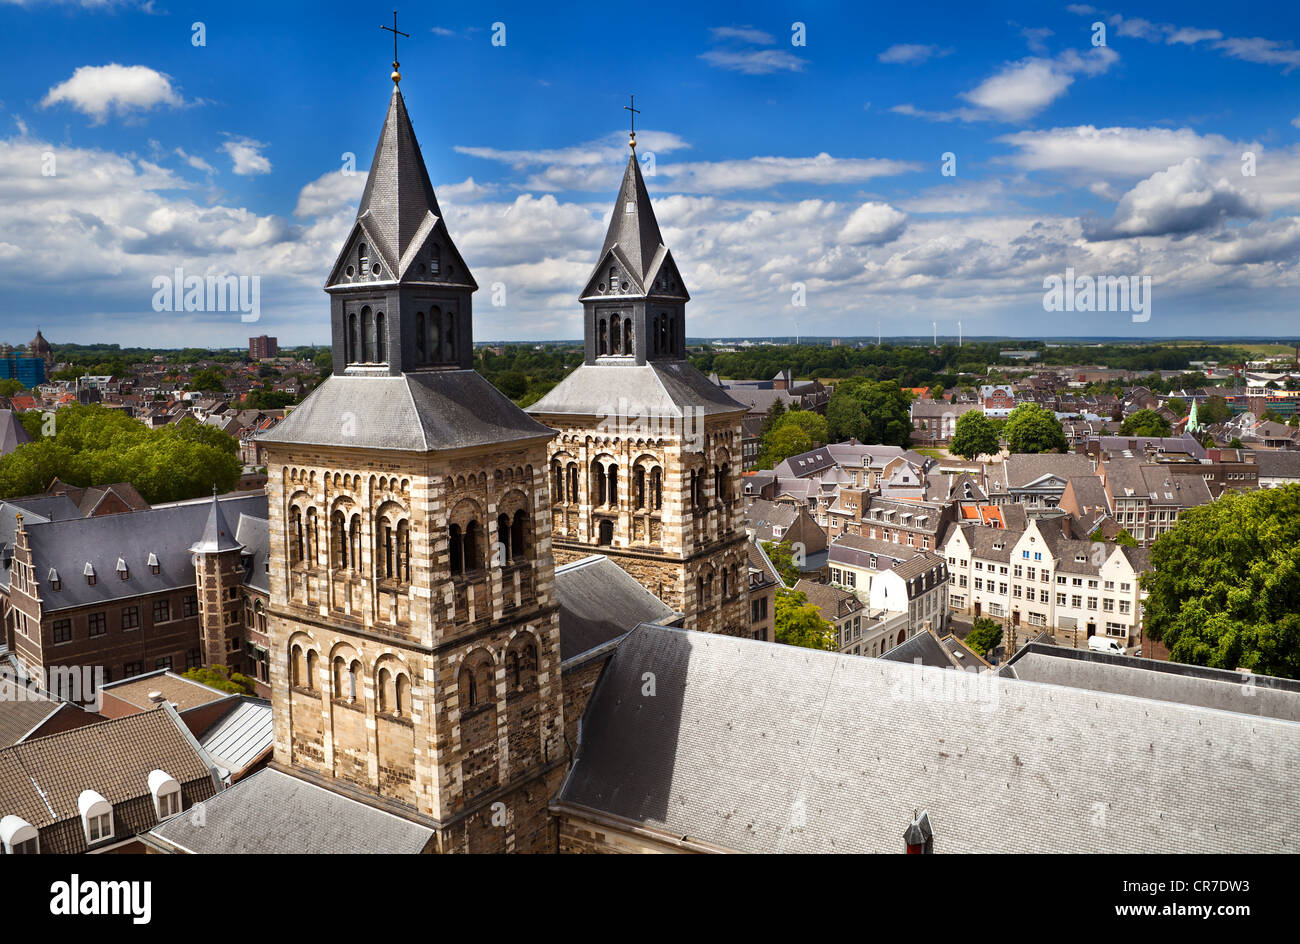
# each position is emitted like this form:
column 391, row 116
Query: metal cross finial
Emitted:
column 634, row 112
column 397, row 76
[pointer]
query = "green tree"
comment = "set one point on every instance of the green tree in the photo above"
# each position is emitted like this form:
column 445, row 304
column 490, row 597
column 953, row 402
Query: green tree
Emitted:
column 799, row 623
column 774, row 414
column 1178, row 405
column 871, row 411
column 220, row 677
column 10, row 387
column 814, row 424
column 985, row 636
column 1214, row 410
column 1144, row 423
column 782, row 443
column 974, row 436
column 1032, row 429
column 1224, row 585
column 781, row 554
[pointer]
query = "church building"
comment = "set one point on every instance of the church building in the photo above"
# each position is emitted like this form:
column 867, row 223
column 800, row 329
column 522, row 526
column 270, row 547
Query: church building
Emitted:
column 647, row 465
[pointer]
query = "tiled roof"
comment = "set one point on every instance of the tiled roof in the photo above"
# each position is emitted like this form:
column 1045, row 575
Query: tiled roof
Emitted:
column 600, row 601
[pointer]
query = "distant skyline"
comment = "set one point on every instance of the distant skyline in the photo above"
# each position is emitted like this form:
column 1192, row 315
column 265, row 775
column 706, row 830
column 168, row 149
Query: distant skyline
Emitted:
column 128, row 150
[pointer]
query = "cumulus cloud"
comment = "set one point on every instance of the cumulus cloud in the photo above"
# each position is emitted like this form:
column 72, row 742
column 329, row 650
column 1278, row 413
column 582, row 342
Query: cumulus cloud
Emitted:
column 1273, row 241
column 1022, row 89
column 1121, row 151
column 873, row 224
column 95, row 91
column 246, row 156
column 1186, row 198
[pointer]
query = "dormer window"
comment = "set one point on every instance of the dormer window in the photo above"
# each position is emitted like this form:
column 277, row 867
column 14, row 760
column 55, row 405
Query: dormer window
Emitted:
column 154, row 566
column 96, row 816
column 90, row 574
column 19, row 837
column 166, row 792
column 53, row 578
column 123, row 572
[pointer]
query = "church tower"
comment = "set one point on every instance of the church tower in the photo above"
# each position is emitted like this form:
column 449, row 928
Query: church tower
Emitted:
column 646, row 467
column 414, row 622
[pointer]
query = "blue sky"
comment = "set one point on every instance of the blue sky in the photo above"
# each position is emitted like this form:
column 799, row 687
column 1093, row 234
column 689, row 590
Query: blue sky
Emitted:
column 776, row 165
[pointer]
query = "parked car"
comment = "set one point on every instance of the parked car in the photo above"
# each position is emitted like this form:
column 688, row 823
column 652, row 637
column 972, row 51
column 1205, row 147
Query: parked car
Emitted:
column 1105, row 644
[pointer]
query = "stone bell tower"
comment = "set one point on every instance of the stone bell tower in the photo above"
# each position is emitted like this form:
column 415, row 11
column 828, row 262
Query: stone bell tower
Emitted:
column 646, row 467
column 414, row 623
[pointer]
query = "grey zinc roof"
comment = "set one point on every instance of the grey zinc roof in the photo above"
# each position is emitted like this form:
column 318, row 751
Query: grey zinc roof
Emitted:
column 920, row 649
column 241, row 735
column 1238, row 692
column 272, row 812
column 1021, row 469
column 632, row 394
column 418, row 412
column 1278, row 464
column 167, row 531
column 600, row 601
column 217, row 536
column 635, row 234
column 760, row 747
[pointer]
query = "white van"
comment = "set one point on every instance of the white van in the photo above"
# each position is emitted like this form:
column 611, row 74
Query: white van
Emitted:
column 1105, row 644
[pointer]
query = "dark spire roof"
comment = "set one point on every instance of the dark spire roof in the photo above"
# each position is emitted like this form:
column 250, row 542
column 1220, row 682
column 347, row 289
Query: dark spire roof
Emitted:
column 217, row 535
column 398, row 194
column 633, row 227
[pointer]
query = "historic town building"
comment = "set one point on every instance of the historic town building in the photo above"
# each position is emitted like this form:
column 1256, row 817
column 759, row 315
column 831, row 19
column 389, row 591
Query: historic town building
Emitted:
column 415, row 637
column 646, row 467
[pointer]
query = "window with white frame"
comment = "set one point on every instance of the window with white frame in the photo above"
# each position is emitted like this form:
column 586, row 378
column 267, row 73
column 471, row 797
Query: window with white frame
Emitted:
column 19, row 837
column 96, row 816
column 166, row 794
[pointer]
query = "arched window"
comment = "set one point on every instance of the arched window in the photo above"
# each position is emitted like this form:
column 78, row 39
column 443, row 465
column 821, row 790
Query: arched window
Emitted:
column 313, row 663
column 456, row 546
column 313, row 538
column 363, row 261
column 503, row 537
column 295, row 535
column 598, row 472
column 573, row 481
column 339, row 539
column 354, row 540
column 521, row 664
column 387, row 691
column 403, row 551
column 614, row 335
column 451, row 335
column 435, row 334
column 613, row 280
column 297, row 667
column 517, row 532
column 613, row 484
column 557, row 482
column 656, row 489
column 435, row 260
column 367, row 335
column 473, row 556
column 381, row 338
column 419, row 334
column 603, row 335
column 402, row 705
column 638, row 488
column 627, row 336
column 606, row 532
column 353, row 341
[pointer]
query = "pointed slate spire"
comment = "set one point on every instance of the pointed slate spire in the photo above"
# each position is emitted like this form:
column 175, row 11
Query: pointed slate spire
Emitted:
column 398, row 194
column 217, row 535
column 633, row 227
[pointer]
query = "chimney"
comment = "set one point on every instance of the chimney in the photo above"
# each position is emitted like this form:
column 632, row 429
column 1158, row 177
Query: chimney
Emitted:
column 919, row 837
column 1067, row 526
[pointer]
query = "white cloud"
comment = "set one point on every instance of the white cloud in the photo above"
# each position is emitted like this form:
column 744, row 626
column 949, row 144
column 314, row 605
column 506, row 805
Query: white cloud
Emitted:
column 1022, row 89
column 97, row 90
column 195, row 161
column 1186, row 198
column 753, row 61
column 1266, row 51
column 246, row 156
column 743, row 34
column 911, row 53
column 1113, row 151
column 329, row 193
column 873, row 224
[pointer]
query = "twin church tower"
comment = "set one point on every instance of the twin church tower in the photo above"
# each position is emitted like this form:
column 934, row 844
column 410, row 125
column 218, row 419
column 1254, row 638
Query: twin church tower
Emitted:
column 417, row 515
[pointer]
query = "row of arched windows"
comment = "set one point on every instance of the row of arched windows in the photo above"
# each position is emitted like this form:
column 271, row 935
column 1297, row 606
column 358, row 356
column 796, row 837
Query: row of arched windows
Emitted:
column 705, row 585
column 392, row 685
column 613, row 334
column 466, row 546
column 647, row 484
column 476, row 681
column 367, row 337
column 663, row 334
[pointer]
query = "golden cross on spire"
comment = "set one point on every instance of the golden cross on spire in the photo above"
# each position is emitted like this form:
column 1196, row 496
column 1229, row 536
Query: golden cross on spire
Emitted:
column 634, row 112
column 397, row 76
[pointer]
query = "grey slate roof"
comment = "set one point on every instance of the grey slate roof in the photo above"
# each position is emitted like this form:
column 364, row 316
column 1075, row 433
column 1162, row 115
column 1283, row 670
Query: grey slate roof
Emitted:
column 1237, row 692
column 660, row 388
column 760, row 747
column 217, row 534
column 416, row 412
column 635, row 234
column 272, row 812
column 1280, row 464
column 600, row 601
column 254, row 535
column 12, row 432
column 166, row 531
